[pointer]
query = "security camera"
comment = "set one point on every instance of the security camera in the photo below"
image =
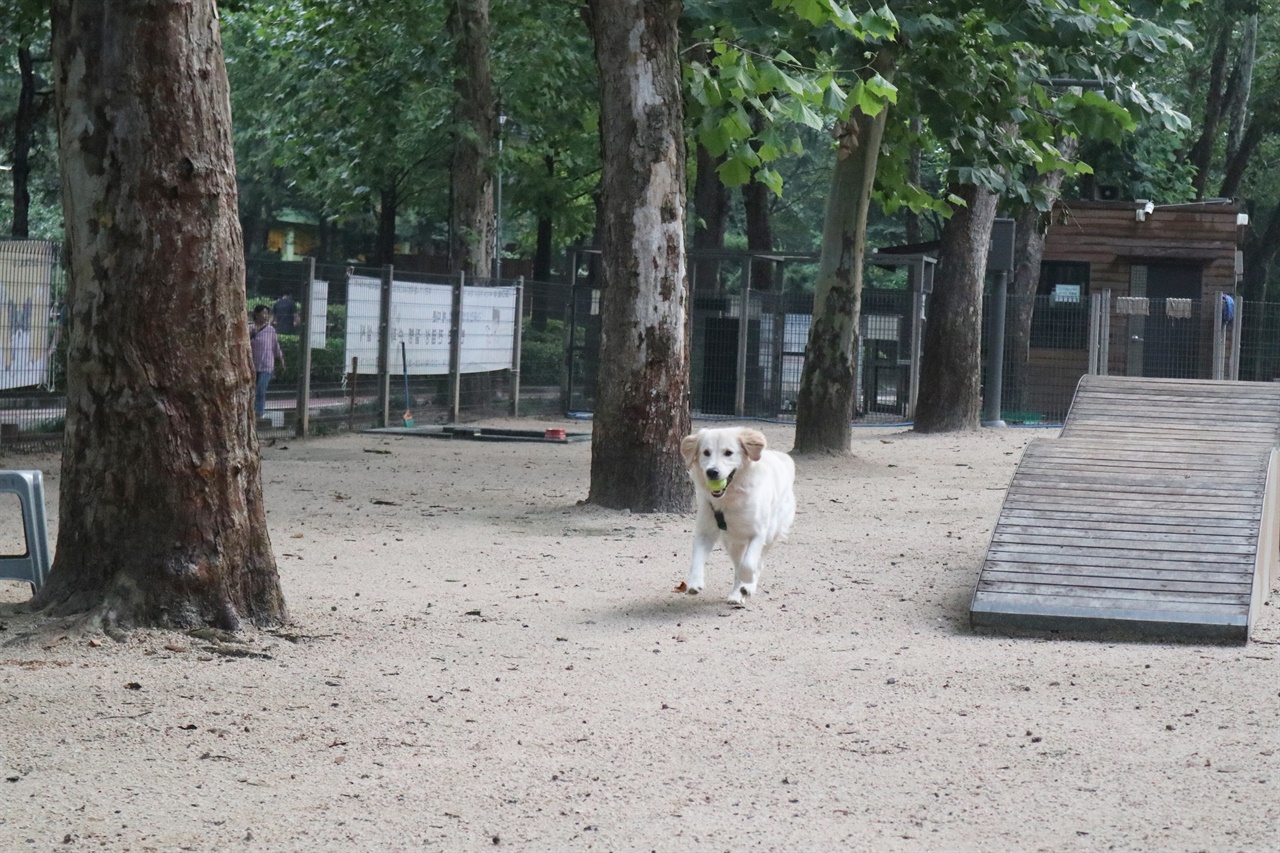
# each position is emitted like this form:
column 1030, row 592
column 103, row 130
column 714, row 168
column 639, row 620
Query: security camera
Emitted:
column 1144, row 207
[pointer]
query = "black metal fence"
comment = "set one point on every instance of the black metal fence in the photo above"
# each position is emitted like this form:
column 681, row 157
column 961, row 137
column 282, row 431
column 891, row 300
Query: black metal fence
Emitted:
column 386, row 346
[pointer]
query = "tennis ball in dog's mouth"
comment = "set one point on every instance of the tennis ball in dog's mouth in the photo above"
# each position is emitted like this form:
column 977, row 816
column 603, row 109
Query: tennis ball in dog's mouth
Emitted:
column 717, row 485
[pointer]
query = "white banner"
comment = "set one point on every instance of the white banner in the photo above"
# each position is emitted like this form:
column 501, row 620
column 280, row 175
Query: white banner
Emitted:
column 319, row 314
column 26, row 272
column 421, row 315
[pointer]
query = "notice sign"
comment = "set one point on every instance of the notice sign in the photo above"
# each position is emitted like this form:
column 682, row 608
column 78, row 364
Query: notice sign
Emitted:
column 26, row 273
column 421, row 317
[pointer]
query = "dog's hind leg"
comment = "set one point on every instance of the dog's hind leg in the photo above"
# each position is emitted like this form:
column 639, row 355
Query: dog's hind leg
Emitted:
column 746, row 568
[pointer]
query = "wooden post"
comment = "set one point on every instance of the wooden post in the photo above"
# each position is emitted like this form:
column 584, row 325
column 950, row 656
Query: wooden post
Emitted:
column 351, row 412
column 455, row 350
column 744, row 329
column 302, row 427
column 384, row 347
column 517, row 341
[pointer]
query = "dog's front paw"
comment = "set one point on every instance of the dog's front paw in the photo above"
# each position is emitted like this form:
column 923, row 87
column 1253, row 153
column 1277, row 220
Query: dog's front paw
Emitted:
column 741, row 592
column 691, row 589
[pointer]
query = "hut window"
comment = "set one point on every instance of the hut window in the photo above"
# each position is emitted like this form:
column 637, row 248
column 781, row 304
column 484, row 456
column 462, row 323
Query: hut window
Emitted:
column 1061, row 317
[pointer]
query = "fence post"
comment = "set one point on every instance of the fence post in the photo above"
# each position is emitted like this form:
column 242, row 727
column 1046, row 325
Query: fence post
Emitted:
column 744, row 328
column 302, row 427
column 1095, row 300
column 1235, row 339
column 384, row 347
column 455, row 350
column 517, row 339
column 1219, row 337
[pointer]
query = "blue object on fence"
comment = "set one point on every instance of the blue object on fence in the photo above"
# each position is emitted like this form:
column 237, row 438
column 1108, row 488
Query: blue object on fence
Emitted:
column 1228, row 309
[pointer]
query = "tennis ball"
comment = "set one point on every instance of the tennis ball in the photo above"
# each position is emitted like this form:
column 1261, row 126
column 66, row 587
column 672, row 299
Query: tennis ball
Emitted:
column 717, row 485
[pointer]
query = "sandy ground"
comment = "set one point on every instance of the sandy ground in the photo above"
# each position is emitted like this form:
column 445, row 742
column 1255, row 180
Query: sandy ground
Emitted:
column 475, row 661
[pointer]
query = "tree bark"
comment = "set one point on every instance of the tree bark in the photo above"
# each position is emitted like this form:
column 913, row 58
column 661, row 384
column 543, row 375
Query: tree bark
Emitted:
column 24, row 128
column 471, row 232
column 950, row 395
column 824, row 409
column 161, row 515
column 540, row 307
column 1031, row 227
column 642, row 387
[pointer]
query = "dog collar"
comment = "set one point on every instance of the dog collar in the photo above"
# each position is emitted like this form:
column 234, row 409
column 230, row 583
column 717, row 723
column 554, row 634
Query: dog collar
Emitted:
column 720, row 519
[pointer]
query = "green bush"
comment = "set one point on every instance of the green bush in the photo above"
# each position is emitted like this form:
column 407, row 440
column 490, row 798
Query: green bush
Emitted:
column 542, row 353
column 327, row 365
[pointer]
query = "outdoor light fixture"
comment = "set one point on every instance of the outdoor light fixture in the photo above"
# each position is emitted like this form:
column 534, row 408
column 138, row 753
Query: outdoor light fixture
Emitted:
column 1144, row 208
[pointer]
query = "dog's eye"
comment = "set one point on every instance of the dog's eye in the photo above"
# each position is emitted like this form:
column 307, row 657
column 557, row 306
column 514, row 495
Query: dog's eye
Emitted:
column 706, row 453
column 728, row 453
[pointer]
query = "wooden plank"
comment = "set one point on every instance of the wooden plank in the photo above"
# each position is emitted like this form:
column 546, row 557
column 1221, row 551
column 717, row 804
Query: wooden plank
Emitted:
column 1149, row 543
column 1164, row 599
column 1085, row 581
column 1093, row 518
column 1238, row 578
column 1119, row 562
column 1122, row 530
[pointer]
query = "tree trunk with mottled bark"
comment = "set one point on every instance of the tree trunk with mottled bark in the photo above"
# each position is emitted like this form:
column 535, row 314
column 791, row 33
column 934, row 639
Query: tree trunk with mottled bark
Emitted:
column 642, row 387
column 161, row 520
column 755, row 204
column 824, row 410
column 950, row 395
column 471, row 232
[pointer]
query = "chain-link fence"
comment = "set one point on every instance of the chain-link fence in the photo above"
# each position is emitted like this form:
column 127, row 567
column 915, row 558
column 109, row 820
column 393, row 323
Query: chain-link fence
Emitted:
column 386, row 347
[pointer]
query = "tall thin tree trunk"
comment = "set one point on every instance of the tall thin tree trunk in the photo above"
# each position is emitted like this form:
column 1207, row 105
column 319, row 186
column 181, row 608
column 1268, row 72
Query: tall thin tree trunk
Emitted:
column 755, row 202
column 161, row 515
column 1238, row 107
column 540, row 307
column 950, row 395
column 388, row 211
column 1215, row 101
column 24, row 127
column 642, row 387
column 711, row 215
column 1030, row 230
column 471, row 232
column 824, row 410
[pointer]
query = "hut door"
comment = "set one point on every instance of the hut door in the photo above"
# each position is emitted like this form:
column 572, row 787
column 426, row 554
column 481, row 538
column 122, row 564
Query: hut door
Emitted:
column 1171, row 336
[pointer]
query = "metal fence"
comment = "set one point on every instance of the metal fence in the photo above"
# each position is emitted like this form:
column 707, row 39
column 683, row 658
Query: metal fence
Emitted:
column 387, row 345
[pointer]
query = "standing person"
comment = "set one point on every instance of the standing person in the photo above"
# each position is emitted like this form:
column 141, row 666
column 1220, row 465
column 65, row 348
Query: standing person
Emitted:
column 266, row 352
column 284, row 311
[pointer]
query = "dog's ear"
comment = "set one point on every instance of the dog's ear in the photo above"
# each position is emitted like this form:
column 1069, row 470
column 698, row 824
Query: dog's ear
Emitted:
column 752, row 443
column 689, row 449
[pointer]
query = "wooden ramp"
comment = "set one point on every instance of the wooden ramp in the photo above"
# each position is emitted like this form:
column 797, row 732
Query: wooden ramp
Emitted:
column 1153, row 513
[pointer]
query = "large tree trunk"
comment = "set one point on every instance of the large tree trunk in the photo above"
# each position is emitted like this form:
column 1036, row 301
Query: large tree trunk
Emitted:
column 824, row 410
column 24, row 128
column 950, row 395
column 642, row 387
column 1031, row 227
column 161, row 516
column 471, row 232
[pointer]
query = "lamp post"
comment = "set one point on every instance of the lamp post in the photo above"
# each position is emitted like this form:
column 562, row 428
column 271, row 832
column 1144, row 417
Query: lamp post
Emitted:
column 497, row 228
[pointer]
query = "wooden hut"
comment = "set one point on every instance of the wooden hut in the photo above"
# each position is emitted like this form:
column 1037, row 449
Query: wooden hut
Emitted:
column 1164, row 265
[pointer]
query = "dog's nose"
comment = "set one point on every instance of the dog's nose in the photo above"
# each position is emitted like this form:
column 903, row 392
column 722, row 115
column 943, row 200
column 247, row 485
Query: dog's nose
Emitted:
column 713, row 473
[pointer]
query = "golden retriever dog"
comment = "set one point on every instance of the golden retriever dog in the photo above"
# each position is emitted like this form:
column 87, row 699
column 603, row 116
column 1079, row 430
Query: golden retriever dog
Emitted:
column 745, row 500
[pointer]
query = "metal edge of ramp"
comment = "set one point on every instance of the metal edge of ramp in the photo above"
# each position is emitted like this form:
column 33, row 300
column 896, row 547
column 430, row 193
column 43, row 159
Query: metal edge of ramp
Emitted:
column 1064, row 586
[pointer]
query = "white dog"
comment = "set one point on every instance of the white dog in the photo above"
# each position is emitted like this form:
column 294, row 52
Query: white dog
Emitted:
column 745, row 499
